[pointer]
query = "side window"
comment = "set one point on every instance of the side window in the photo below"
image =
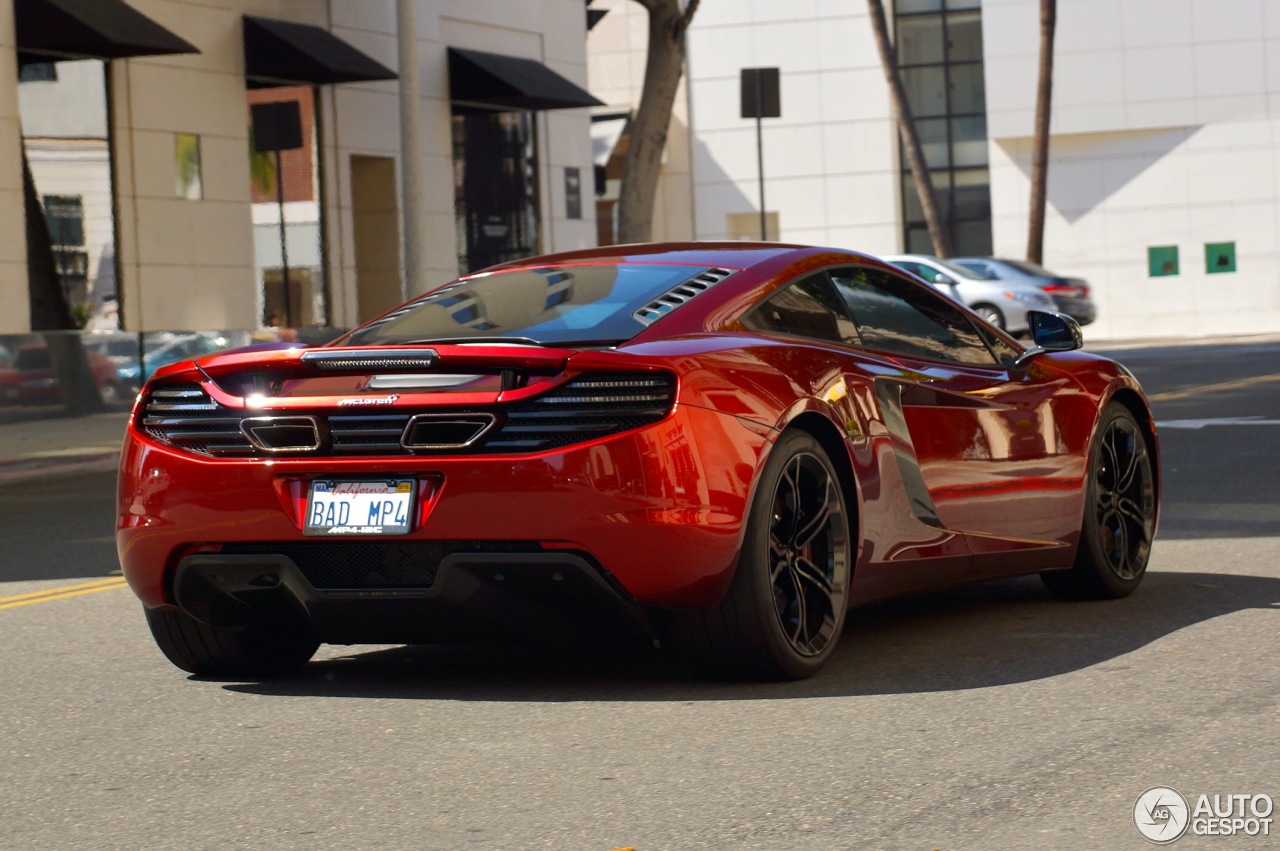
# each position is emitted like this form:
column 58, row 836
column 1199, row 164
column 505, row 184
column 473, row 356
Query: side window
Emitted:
column 807, row 308
column 917, row 270
column 899, row 317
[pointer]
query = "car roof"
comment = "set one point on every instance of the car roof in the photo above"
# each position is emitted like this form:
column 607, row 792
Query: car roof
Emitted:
column 734, row 255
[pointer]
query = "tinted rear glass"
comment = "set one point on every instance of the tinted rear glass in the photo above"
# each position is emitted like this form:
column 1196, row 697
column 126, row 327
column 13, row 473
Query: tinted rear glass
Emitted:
column 553, row 305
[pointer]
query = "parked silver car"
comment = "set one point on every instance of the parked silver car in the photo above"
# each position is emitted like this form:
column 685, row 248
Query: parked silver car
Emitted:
column 1001, row 303
column 1070, row 294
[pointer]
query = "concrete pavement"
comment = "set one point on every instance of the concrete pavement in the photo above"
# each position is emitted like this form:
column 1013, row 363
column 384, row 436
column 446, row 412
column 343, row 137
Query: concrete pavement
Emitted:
column 55, row 446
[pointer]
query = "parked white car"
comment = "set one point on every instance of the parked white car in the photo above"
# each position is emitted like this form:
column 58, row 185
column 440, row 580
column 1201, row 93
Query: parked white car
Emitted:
column 1002, row 303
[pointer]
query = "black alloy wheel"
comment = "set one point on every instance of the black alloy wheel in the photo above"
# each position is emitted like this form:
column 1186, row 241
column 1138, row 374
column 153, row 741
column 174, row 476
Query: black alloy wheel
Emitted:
column 1119, row 520
column 806, row 550
column 784, row 612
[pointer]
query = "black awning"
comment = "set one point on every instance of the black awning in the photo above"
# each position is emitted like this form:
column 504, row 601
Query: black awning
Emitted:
column 286, row 53
column 89, row 29
column 494, row 81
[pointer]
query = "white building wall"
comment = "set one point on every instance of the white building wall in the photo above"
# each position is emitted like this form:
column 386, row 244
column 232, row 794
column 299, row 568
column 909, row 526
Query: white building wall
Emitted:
column 830, row 161
column 1166, row 131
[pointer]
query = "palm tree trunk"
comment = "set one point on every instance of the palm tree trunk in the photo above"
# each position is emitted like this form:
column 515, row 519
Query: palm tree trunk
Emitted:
column 1040, row 145
column 933, row 216
column 647, row 135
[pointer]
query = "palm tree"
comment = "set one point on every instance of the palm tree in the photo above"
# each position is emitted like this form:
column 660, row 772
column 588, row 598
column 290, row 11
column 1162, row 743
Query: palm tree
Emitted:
column 647, row 135
column 1040, row 145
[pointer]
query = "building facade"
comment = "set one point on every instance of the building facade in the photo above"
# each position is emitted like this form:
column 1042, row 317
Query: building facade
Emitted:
column 238, row 163
column 1164, row 175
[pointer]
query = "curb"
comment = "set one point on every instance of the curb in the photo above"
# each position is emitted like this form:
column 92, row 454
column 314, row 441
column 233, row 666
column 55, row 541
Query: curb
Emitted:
column 16, row 471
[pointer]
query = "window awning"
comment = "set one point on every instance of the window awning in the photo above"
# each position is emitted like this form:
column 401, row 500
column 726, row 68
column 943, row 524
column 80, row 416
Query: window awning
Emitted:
column 282, row 53
column 49, row 30
column 494, row 81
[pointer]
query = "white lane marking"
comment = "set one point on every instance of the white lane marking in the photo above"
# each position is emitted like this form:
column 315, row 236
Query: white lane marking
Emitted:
column 1199, row 424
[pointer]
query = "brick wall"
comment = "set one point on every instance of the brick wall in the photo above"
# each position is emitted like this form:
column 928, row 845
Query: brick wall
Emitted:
column 297, row 165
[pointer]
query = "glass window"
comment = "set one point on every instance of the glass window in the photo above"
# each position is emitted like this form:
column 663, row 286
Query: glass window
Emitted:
column 905, row 7
column 919, row 40
column 552, row 305
column 964, row 37
column 968, row 91
column 288, row 216
column 969, row 141
column 898, row 317
column 926, row 90
column 65, row 216
column 495, row 189
column 808, row 308
column 933, row 141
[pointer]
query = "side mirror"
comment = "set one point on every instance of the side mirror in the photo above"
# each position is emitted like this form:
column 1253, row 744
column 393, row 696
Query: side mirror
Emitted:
column 943, row 280
column 1052, row 332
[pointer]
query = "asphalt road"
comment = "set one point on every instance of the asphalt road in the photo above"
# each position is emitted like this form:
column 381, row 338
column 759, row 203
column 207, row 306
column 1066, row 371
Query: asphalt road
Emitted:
column 993, row 717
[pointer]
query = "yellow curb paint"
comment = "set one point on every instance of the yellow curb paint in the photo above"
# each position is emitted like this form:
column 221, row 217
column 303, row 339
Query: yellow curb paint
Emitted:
column 62, row 593
column 1210, row 388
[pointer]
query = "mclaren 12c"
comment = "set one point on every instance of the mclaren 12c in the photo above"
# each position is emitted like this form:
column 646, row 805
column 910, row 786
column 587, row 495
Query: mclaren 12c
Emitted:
column 723, row 446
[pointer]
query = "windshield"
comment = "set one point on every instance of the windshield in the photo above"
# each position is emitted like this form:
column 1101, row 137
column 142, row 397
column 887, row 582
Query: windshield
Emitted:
column 555, row 305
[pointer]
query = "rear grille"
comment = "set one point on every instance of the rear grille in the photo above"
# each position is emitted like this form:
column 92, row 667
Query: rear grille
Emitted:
column 358, row 565
column 587, row 408
column 184, row 416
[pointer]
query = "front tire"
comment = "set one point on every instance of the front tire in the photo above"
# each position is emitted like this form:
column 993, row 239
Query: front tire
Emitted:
column 1119, row 517
column 208, row 651
column 784, row 612
column 992, row 314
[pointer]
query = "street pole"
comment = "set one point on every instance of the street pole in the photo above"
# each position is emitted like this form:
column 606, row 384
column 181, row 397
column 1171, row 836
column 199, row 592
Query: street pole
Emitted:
column 284, row 247
column 760, row 99
column 410, row 146
column 760, row 164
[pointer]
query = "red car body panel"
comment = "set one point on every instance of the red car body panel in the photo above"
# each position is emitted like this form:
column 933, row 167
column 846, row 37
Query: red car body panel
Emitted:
column 955, row 472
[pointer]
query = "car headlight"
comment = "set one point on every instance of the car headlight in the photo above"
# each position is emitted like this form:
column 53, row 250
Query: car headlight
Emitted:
column 1033, row 299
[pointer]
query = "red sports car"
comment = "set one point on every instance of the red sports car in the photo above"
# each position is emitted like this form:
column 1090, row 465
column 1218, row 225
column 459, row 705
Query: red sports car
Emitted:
column 726, row 446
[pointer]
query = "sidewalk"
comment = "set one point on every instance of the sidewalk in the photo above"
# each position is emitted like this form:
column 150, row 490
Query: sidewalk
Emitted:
column 38, row 447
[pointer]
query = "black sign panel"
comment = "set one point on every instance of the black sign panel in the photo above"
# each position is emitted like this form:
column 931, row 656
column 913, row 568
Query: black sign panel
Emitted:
column 276, row 126
column 760, row 95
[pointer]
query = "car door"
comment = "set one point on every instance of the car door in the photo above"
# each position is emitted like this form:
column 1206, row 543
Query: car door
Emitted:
column 982, row 433
column 902, row 547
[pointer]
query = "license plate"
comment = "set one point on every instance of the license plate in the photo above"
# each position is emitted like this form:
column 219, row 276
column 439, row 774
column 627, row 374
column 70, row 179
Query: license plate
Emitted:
column 367, row 507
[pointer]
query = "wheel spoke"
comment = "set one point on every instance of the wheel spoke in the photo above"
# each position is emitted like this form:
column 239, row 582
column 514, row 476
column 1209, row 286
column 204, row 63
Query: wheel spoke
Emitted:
column 1127, row 471
column 801, row 609
column 1129, row 510
column 808, row 573
column 812, row 527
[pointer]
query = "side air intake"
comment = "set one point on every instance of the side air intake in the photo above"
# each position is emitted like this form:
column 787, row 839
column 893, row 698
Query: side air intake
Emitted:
column 678, row 295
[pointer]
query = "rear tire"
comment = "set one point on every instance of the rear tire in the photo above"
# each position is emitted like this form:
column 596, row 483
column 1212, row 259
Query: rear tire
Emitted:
column 1119, row 517
column 208, row 651
column 786, row 607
